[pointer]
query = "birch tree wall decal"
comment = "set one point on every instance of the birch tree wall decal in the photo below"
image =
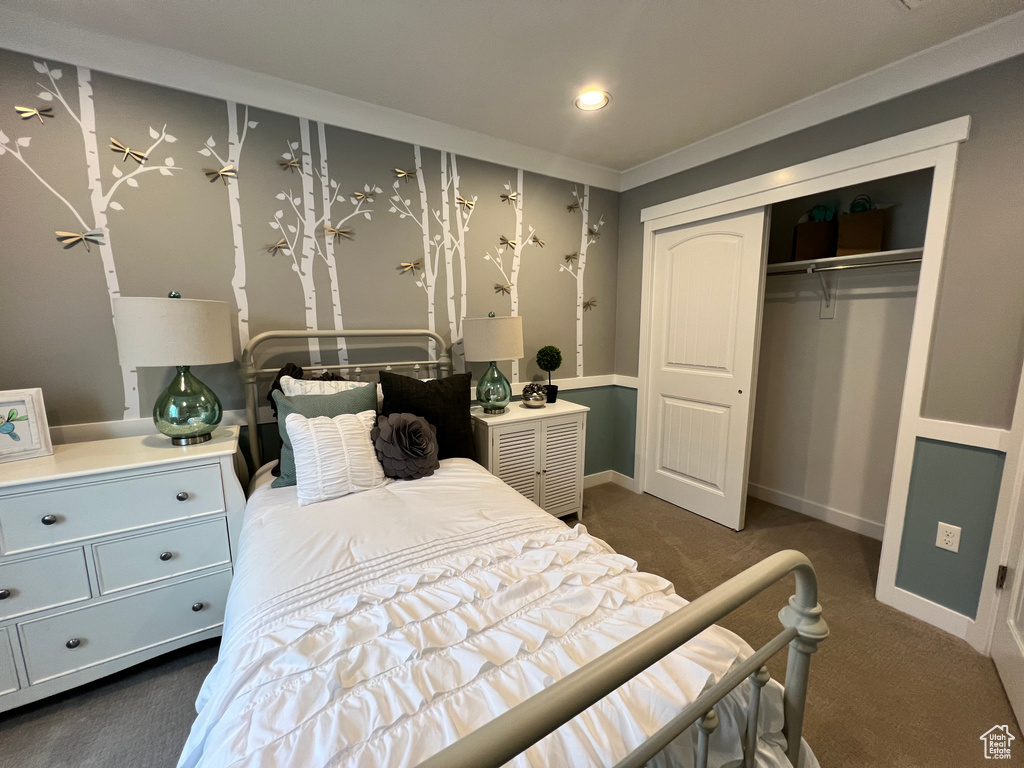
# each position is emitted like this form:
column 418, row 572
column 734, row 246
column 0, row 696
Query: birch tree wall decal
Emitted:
column 453, row 217
column 431, row 246
column 101, row 201
column 301, row 240
column 516, row 245
column 576, row 264
column 236, row 140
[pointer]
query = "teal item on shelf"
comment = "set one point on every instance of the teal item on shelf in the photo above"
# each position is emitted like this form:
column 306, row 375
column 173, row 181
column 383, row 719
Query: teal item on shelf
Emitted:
column 188, row 410
column 493, row 391
column 351, row 401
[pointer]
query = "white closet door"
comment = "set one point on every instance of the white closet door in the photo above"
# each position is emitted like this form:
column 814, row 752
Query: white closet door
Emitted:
column 705, row 331
column 1008, row 639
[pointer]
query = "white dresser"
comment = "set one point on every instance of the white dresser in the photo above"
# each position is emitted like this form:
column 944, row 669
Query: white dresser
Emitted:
column 538, row 451
column 112, row 552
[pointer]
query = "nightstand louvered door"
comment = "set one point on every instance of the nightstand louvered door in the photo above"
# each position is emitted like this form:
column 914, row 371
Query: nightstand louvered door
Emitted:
column 517, row 449
column 561, row 487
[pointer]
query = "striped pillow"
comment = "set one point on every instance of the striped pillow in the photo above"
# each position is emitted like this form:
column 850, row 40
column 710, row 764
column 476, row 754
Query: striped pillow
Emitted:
column 333, row 456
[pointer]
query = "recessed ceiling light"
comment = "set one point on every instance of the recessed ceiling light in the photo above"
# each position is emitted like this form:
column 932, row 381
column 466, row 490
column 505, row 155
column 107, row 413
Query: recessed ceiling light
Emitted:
column 591, row 100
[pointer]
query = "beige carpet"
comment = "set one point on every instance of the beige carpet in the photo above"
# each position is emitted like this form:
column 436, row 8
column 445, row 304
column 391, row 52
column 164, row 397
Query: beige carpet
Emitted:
column 886, row 690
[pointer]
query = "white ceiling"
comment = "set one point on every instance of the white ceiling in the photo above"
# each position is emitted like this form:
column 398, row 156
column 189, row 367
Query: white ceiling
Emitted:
column 678, row 70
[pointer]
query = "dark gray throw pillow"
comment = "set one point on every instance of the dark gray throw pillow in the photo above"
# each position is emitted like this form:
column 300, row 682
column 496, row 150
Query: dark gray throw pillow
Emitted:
column 443, row 402
column 351, row 401
column 406, row 445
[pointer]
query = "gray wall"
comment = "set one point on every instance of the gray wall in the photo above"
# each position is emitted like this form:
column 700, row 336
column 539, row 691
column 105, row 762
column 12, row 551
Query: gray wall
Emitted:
column 175, row 232
column 979, row 331
column 958, row 485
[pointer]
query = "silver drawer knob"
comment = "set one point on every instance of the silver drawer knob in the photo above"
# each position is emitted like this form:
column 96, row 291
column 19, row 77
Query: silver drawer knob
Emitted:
column 182, row 496
column 165, row 556
column 197, row 607
column 73, row 643
column 4, row 594
column 48, row 519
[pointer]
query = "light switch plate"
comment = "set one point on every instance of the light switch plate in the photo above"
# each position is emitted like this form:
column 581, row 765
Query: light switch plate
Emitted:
column 948, row 537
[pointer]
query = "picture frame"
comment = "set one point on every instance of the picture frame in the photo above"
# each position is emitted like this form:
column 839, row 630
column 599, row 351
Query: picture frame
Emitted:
column 24, row 432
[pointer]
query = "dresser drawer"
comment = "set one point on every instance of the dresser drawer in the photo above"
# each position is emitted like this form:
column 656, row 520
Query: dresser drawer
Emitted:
column 72, row 513
column 168, row 552
column 42, row 582
column 87, row 636
column 8, row 674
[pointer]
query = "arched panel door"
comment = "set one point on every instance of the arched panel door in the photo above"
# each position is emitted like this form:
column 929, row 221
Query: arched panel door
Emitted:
column 705, row 332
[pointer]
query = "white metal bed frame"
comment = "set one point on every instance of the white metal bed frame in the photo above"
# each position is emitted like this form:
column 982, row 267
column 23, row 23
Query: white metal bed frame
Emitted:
column 502, row 739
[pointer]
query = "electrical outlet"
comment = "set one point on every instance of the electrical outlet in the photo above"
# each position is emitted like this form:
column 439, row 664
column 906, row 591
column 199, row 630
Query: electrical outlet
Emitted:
column 948, row 537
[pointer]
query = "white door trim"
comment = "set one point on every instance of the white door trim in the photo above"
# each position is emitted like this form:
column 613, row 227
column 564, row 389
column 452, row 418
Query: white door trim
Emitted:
column 932, row 147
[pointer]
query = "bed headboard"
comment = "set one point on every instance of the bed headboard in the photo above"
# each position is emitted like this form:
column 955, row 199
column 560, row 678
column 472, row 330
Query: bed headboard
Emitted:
column 436, row 359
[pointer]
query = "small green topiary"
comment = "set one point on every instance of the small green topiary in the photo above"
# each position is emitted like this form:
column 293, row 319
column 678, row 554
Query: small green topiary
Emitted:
column 549, row 359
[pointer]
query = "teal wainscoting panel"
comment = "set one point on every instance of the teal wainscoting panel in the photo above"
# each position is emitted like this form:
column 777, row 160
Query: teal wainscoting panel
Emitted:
column 959, row 485
column 624, row 449
column 600, row 425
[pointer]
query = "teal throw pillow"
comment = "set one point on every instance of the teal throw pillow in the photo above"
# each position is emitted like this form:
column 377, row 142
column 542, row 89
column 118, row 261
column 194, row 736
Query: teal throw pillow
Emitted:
column 351, row 401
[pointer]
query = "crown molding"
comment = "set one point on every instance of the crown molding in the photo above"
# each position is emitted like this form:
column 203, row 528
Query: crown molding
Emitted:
column 44, row 38
column 990, row 44
column 37, row 36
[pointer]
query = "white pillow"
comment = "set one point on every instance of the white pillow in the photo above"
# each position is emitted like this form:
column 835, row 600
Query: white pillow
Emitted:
column 334, row 457
column 292, row 387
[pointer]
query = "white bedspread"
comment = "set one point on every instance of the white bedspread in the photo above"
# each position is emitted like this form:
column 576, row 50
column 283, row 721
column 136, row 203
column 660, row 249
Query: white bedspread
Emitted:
column 374, row 629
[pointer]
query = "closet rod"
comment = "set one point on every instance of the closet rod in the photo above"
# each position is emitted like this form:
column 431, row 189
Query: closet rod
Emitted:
column 836, row 267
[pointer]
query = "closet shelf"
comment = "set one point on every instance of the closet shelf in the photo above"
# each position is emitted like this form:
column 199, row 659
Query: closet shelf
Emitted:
column 856, row 261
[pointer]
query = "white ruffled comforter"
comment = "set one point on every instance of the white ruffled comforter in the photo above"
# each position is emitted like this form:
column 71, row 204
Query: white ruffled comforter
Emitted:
column 375, row 629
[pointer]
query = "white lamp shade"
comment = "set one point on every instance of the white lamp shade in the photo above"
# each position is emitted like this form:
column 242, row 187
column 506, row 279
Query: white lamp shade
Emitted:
column 489, row 339
column 153, row 332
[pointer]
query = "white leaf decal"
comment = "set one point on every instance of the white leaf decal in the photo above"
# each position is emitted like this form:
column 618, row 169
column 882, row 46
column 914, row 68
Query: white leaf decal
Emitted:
column 45, row 96
column 204, row 152
column 40, row 67
column 274, row 225
column 353, row 201
column 286, row 155
column 131, row 182
column 253, row 123
column 296, row 200
column 3, row 138
column 153, row 133
column 169, row 139
column 210, row 142
column 392, row 209
column 334, row 184
column 116, row 172
column 2, row 150
column 117, row 206
column 278, row 214
column 166, row 172
column 291, row 228
column 169, row 162
column 294, row 145
column 56, row 74
column 24, row 141
column 279, row 196
column 419, row 284
column 366, row 215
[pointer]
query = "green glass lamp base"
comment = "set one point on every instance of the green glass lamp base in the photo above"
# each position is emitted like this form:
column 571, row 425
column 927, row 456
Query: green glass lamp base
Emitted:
column 493, row 391
column 188, row 411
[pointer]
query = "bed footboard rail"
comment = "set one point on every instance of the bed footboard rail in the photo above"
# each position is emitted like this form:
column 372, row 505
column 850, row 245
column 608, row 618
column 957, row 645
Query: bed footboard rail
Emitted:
column 506, row 736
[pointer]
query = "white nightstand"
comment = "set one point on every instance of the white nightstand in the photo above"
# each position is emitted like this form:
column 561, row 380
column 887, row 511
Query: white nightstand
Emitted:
column 112, row 552
column 538, row 451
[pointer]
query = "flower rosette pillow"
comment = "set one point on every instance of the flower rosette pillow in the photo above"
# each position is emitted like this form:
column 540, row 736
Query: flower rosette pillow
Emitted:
column 406, row 445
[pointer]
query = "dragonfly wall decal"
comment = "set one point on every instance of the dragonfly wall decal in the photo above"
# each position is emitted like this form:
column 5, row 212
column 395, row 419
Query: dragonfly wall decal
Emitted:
column 27, row 113
column 505, row 241
column 407, row 175
column 71, row 239
column 289, row 163
column 409, row 266
column 466, row 205
column 225, row 173
column 337, row 233
column 590, row 303
column 280, row 245
column 510, row 198
column 126, row 152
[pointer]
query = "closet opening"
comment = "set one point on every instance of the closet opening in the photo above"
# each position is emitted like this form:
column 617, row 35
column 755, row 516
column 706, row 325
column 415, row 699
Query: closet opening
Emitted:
column 833, row 355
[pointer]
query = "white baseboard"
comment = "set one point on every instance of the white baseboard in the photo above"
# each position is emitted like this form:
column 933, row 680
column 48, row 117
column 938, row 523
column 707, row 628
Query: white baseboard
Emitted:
column 837, row 517
column 924, row 609
column 608, row 476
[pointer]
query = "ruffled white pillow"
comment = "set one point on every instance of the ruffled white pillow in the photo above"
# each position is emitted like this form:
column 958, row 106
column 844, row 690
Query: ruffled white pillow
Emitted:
column 292, row 387
column 334, row 457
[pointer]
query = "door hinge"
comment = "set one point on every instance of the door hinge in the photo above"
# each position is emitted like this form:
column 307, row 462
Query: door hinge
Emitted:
column 1001, row 577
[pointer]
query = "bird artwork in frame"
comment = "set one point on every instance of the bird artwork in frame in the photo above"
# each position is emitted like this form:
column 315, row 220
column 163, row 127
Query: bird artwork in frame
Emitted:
column 24, row 433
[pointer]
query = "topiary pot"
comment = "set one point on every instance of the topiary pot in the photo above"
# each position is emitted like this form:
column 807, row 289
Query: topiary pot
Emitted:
column 551, row 392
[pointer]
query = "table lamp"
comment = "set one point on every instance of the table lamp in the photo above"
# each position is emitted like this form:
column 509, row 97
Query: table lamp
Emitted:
column 154, row 332
column 488, row 339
